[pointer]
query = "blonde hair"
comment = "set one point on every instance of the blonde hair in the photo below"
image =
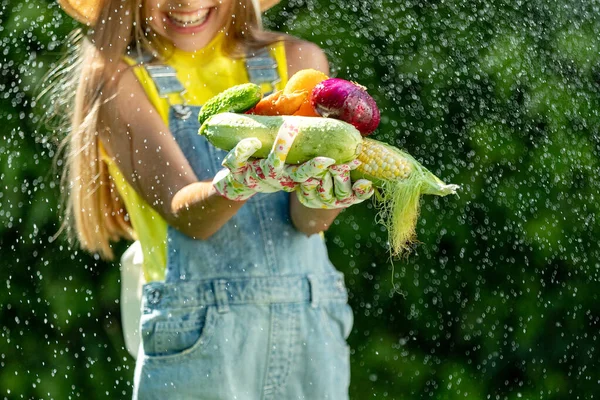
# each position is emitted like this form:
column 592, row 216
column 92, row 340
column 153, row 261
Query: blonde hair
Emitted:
column 93, row 211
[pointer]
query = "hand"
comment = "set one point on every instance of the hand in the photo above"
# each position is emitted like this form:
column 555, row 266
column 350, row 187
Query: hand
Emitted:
column 241, row 178
column 334, row 188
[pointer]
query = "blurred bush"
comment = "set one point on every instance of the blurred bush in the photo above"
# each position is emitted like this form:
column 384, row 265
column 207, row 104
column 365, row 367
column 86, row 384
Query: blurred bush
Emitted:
column 499, row 299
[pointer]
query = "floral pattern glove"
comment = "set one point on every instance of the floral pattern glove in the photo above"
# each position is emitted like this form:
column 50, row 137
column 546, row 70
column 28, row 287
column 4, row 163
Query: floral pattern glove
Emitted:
column 242, row 178
column 333, row 188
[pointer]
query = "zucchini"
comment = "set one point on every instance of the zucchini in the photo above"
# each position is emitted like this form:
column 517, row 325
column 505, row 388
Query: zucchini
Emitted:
column 317, row 137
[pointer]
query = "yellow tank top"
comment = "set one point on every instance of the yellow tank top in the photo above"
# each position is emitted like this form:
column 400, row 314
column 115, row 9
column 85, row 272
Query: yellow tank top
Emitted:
column 204, row 74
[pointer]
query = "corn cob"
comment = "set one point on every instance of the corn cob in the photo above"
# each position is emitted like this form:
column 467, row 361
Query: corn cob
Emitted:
column 400, row 180
column 382, row 162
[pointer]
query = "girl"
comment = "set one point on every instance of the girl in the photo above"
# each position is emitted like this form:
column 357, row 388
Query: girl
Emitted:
column 241, row 300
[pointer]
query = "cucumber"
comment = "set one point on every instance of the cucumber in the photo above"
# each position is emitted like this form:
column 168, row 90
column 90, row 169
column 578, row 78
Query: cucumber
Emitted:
column 237, row 99
column 324, row 137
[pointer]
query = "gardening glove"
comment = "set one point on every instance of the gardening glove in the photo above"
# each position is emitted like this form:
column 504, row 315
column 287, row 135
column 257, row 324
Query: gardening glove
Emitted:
column 242, row 178
column 333, row 188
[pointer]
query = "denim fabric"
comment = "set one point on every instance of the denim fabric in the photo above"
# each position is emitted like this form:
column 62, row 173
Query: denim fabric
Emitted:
column 257, row 311
column 279, row 337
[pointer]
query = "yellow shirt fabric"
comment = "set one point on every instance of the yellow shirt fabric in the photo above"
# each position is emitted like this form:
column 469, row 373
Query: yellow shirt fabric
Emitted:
column 204, row 73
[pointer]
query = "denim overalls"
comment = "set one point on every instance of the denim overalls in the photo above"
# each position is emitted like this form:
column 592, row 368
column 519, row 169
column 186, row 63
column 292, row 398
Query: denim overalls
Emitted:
column 257, row 311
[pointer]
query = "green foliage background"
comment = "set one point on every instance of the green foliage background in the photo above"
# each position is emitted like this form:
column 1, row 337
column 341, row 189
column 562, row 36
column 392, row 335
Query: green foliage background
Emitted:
column 500, row 299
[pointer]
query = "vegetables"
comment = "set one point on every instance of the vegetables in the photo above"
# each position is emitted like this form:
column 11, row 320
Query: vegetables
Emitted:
column 347, row 101
column 238, row 98
column 401, row 181
column 316, row 136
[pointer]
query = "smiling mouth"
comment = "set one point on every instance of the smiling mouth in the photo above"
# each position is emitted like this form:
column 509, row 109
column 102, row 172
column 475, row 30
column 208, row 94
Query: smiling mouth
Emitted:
column 189, row 19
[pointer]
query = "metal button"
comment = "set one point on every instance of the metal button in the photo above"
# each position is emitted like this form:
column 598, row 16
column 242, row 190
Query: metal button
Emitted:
column 182, row 112
column 154, row 296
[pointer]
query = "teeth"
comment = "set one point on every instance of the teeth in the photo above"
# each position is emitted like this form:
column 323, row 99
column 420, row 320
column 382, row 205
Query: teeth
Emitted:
column 187, row 19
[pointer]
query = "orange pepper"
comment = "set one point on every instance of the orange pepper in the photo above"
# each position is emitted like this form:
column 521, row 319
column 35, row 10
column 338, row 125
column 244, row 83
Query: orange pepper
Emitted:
column 279, row 103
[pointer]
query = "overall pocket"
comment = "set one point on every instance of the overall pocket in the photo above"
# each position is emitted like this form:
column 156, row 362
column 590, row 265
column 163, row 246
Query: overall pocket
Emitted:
column 173, row 333
column 337, row 320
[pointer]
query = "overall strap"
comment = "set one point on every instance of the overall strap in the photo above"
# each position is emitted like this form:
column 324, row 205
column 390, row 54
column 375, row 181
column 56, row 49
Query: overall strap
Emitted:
column 262, row 70
column 166, row 82
column 260, row 66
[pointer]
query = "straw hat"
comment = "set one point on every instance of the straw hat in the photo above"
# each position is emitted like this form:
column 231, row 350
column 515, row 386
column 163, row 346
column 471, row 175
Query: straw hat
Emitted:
column 87, row 11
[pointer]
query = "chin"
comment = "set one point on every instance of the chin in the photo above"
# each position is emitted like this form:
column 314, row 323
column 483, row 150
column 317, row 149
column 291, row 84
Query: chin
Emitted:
column 193, row 44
